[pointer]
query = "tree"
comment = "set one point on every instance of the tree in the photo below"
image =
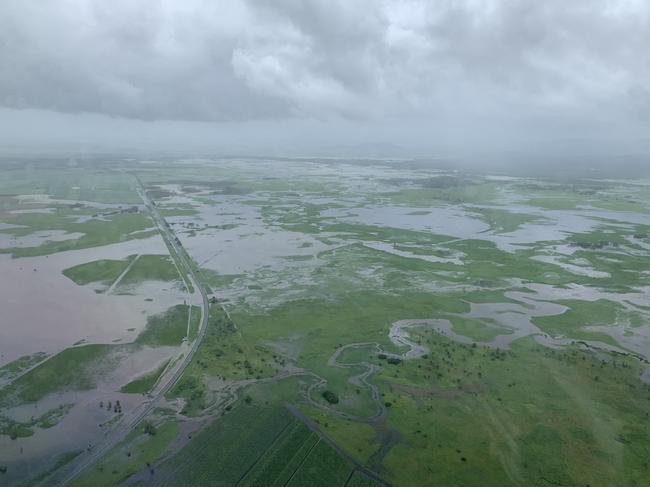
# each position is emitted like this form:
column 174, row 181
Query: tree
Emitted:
column 149, row 428
column 330, row 397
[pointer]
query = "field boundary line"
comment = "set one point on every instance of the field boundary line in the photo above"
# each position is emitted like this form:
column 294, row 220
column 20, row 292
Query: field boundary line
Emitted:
column 316, row 440
column 257, row 460
column 302, row 462
column 121, row 276
column 356, row 466
column 347, row 481
column 181, row 258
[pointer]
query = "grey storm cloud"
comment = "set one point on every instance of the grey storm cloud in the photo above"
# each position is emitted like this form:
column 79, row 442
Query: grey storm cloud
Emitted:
column 202, row 60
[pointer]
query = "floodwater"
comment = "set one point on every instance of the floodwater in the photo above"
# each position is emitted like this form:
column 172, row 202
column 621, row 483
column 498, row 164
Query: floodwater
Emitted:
column 85, row 423
column 580, row 270
column 556, row 225
column 636, row 339
column 462, row 222
column 250, row 243
column 7, row 226
column 44, row 311
column 445, row 220
column 536, row 301
column 32, row 210
column 37, row 238
column 385, row 247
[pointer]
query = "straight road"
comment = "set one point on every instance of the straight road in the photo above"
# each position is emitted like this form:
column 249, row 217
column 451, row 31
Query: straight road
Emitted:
column 130, row 420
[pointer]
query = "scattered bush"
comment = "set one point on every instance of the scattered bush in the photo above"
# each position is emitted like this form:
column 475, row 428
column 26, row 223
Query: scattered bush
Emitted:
column 149, row 428
column 330, row 397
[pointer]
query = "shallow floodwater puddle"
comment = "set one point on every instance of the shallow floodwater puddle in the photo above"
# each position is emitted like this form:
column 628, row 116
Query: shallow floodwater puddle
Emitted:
column 517, row 317
column 37, row 238
column 8, row 226
column 633, row 301
column 579, row 270
column 33, row 210
column 636, row 338
column 250, row 243
column 46, row 199
column 446, row 220
column 385, row 247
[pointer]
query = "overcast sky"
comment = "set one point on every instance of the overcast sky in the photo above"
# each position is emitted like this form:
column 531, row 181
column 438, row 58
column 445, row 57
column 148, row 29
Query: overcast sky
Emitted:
column 287, row 74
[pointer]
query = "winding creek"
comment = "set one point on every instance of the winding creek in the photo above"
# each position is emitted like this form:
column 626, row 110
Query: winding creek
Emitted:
column 515, row 317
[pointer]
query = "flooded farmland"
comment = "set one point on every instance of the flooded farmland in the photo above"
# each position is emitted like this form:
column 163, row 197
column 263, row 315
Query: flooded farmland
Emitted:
column 44, row 311
column 351, row 292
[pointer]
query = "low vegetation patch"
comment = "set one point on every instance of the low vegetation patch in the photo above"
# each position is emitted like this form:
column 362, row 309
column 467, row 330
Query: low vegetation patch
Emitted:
column 104, row 271
column 166, row 329
column 145, row 383
column 330, row 397
column 74, row 368
column 151, row 268
column 138, row 451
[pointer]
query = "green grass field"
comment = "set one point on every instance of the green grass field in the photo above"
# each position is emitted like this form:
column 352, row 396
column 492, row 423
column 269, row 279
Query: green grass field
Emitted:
column 78, row 368
column 83, row 183
column 151, row 268
column 104, row 271
column 166, row 329
column 96, row 232
column 133, row 454
column 72, row 369
column 223, row 452
column 283, row 458
column 491, row 408
column 580, row 314
column 143, row 268
column 61, row 460
column 274, row 449
column 21, row 364
column 477, row 330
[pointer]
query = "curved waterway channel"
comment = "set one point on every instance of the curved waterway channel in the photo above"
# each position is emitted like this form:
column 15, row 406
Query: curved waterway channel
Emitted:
column 515, row 318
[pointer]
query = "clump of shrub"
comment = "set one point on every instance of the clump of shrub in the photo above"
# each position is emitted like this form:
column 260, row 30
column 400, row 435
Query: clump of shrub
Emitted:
column 149, row 428
column 390, row 360
column 330, row 397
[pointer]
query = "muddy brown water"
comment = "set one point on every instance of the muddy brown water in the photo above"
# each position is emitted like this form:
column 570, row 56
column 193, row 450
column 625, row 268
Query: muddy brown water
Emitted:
column 86, row 423
column 44, row 311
